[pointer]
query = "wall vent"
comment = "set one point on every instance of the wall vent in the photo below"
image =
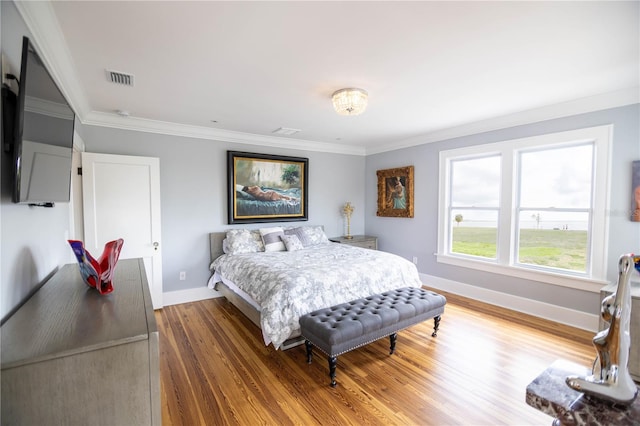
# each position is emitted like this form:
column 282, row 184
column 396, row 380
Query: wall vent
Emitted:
column 120, row 77
column 285, row 131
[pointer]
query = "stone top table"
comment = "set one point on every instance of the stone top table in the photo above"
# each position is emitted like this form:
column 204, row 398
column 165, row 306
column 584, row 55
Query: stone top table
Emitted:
column 550, row 394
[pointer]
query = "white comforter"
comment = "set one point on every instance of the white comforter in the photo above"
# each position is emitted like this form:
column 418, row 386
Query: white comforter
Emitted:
column 288, row 285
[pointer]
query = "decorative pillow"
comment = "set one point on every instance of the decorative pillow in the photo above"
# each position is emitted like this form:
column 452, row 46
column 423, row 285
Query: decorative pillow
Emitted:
column 292, row 242
column 271, row 238
column 241, row 241
column 225, row 247
column 255, row 233
column 298, row 232
column 315, row 235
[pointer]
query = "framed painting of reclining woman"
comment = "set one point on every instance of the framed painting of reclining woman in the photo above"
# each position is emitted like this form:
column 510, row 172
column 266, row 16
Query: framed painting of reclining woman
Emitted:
column 395, row 192
column 267, row 188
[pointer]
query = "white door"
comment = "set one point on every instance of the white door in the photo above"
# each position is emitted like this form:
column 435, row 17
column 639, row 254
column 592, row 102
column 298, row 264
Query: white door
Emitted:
column 121, row 199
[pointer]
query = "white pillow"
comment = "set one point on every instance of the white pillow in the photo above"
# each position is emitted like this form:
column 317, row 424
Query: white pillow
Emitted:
column 315, row 235
column 272, row 238
column 241, row 241
column 257, row 238
column 298, row 232
column 292, row 242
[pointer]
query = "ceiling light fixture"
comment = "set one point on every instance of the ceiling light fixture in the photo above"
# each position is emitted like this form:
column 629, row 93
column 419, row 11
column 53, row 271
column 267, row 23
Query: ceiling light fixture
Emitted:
column 350, row 101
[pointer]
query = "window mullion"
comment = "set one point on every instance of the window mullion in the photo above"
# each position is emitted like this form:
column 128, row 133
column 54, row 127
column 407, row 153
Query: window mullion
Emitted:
column 505, row 215
column 522, row 193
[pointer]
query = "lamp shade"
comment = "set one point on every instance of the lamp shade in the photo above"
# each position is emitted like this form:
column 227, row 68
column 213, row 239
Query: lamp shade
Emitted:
column 350, row 101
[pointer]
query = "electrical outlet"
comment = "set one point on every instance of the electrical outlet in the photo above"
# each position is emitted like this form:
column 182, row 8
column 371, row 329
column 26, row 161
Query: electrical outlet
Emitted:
column 183, row 275
column 415, row 260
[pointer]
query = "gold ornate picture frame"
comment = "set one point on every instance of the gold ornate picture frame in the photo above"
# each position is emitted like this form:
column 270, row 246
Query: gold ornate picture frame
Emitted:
column 395, row 192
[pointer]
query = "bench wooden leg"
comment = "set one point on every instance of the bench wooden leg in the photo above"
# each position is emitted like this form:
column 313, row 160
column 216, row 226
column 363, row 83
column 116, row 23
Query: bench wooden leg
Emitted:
column 333, row 361
column 436, row 325
column 309, row 347
column 392, row 341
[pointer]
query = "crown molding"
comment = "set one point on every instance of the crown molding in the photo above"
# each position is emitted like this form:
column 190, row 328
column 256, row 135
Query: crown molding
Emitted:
column 166, row 128
column 564, row 109
column 47, row 36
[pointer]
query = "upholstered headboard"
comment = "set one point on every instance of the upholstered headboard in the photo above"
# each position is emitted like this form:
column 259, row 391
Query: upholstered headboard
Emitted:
column 215, row 244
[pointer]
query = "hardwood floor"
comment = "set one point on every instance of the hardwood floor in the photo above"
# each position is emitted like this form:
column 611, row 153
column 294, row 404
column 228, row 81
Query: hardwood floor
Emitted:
column 215, row 370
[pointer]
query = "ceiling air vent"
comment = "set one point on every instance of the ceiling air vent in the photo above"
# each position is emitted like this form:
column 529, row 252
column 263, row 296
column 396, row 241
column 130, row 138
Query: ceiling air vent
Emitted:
column 120, row 77
column 285, row 131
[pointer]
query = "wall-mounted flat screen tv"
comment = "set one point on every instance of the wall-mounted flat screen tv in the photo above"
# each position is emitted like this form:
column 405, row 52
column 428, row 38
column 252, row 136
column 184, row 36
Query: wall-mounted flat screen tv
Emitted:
column 43, row 135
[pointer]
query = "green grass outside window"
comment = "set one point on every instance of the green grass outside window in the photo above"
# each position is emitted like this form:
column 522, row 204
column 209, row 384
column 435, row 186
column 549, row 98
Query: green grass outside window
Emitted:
column 562, row 249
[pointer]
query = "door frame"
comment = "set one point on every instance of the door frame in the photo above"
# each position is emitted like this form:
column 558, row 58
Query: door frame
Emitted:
column 153, row 264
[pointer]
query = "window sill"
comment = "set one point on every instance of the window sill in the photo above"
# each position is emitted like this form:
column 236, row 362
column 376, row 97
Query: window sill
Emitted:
column 579, row 283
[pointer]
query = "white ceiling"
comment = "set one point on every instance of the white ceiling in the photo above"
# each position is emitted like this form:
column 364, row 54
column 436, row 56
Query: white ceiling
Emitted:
column 429, row 67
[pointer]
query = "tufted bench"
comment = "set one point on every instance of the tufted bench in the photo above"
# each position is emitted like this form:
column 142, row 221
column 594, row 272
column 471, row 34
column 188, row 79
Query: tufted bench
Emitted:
column 347, row 326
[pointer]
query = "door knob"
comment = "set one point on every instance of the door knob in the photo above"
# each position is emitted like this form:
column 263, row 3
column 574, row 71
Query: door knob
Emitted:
column 155, row 245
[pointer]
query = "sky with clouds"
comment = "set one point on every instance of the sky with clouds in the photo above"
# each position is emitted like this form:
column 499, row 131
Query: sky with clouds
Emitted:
column 553, row 178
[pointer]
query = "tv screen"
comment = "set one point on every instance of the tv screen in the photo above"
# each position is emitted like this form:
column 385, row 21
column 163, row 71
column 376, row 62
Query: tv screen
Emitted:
column 43, row 135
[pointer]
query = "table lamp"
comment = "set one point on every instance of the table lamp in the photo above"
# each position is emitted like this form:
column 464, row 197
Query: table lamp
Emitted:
column 347, row 210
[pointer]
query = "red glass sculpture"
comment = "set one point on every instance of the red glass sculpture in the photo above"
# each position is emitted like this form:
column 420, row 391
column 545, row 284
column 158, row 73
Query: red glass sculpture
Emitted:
column 98, row 273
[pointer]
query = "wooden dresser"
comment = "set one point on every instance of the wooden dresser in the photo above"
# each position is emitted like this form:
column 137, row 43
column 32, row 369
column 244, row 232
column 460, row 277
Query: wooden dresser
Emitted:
column 364, row 241
column 72, row 356
column 634, row 353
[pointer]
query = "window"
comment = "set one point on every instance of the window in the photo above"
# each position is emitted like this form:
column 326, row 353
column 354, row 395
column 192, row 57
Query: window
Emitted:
column 554, row 207
column 475, row 208
column 533, row 207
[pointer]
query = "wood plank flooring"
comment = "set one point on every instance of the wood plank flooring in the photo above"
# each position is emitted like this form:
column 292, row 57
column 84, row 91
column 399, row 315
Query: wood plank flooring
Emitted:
column 216, row 370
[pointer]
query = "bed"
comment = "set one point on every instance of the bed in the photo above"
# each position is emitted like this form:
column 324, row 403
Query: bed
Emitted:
column 274, row 288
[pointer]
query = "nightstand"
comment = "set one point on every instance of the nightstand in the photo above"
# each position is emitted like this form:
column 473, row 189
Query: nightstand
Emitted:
column 364, row 241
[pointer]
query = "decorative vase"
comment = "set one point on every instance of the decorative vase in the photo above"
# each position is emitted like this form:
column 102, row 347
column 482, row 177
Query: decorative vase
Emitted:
column 98, row 273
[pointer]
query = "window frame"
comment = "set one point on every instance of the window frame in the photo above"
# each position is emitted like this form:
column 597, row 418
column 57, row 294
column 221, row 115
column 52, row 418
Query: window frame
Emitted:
column 506, row 250
column 451, row 207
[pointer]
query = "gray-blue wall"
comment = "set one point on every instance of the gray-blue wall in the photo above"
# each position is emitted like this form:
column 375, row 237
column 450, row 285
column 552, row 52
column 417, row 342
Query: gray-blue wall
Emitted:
column 193, row 187
column 193, row 191
column 33, row 240
column 418, row 236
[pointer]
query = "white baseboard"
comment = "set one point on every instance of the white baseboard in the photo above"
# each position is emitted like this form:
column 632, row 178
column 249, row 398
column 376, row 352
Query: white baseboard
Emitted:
column 190, row 295
column 544, row 310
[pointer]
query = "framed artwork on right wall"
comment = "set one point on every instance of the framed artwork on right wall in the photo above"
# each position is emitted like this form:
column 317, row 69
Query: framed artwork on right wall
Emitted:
column 395, row 192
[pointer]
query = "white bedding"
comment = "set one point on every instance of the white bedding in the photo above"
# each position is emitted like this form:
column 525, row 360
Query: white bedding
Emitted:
column 288, row 285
